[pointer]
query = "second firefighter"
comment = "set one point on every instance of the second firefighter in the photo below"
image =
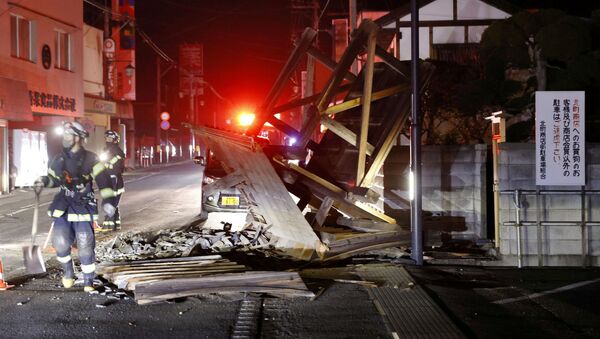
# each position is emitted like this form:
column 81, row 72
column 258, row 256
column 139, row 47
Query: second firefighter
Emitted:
column 114, row 161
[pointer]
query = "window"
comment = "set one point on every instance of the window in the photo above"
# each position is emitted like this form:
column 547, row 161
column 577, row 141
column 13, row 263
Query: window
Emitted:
column 63, row 50
column 464, row 54
column 22, row 35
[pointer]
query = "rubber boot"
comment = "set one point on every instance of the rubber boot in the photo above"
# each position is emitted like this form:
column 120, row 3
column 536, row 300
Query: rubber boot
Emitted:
column 88, row 282
column 68, row 277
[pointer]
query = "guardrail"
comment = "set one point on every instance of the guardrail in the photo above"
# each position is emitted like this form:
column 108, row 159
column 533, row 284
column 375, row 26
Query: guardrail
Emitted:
column 583, row 223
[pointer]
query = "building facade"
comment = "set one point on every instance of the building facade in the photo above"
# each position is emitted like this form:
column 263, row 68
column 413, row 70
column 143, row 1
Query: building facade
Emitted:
column 41, row 75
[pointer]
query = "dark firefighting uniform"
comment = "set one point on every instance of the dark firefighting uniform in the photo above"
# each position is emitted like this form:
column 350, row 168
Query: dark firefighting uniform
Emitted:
column 115, row 165
column 74, row 208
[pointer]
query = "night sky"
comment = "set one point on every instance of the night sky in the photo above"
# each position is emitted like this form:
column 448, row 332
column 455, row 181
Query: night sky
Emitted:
column 246, row 43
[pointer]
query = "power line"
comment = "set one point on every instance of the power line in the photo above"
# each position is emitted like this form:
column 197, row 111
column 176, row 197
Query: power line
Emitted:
column 107, row 10
column 138, row 29
column 322, row 12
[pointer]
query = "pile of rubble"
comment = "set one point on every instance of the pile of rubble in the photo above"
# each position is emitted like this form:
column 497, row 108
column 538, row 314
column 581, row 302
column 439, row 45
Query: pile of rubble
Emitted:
column 169, row 243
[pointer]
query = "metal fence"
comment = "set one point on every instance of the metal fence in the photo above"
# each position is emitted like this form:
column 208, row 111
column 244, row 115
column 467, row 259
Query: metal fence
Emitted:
column 518, row 222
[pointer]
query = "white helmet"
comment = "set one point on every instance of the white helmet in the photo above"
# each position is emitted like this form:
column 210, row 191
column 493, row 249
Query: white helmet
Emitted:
column 75, row 128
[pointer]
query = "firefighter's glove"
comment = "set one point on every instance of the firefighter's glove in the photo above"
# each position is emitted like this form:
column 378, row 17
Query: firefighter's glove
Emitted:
column 38, row 185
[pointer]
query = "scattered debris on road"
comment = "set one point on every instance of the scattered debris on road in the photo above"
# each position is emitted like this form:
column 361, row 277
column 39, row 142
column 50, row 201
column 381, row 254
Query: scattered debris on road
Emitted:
column 169, row 243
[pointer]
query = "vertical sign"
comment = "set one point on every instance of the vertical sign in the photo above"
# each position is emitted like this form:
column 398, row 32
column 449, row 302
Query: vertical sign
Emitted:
column 121, row 77
column 560, row 138
column 191, row 70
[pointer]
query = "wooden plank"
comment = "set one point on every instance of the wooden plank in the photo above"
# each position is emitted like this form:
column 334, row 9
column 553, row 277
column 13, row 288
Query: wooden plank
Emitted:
column 355, row 46
column 150, row 270
column 164, row 260
column 329, row 63
column 366, row 106
column 346, row 105
column 378, row 246
column 366, row 225
column 228, row 181
column 324, row 210
column 306, row 40
column 269, row 199
column 279, row 283
column 131, row 282
column 384, row 149
column 343, row 132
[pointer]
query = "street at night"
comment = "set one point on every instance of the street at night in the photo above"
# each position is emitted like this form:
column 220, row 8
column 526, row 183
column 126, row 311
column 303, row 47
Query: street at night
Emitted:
column 299, row 169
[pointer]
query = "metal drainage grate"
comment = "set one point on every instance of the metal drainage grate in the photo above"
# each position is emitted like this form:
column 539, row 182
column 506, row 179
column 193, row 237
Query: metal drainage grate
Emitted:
column 248, row 319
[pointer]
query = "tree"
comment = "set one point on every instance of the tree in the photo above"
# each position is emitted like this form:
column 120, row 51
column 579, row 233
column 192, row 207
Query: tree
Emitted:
column 445, row 119
column 546, row 50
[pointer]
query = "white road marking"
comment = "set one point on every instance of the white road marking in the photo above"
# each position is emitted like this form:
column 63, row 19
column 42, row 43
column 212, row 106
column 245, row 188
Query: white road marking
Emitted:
column 140, row 178
column 541, row 294
column 28, row 207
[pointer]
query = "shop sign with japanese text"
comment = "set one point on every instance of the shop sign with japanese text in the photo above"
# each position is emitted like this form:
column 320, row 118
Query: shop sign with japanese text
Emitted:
column 42, row 100
column 560, row 138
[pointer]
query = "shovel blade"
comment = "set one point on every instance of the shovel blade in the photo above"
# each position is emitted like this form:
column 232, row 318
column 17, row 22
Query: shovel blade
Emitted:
column 34, row 262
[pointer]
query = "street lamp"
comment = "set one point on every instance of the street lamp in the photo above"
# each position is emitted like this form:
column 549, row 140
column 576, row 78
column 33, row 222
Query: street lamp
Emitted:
column 498, row 135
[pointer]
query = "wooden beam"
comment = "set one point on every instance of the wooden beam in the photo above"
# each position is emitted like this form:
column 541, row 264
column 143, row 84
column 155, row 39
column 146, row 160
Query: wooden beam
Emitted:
column 343, row 132
column 309, row 127
column 228, row 181
column 340, row 203
column 331, row 187
column 324, row 211
column 305, row 101
column 346, row 105
column 383, row 151
column 308, row 36
column 290, row 131
column 329, row 63
column 355, row 46
column 392, row 62
column 366, row 106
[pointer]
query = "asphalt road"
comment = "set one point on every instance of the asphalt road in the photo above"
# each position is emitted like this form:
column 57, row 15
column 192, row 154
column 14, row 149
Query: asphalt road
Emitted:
column 483, row 302
column 516, row 303
column 157, row 197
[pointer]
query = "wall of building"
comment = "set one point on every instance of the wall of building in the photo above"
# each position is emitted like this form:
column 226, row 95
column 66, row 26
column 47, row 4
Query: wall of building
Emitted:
column 453, row 184
column 93, row 61
column 51, row 94
column 562, row 242
column 64, row 15
column 443, row 10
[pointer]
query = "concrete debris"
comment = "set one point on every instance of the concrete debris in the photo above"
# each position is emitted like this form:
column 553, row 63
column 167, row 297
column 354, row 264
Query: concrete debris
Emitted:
column 169, row 243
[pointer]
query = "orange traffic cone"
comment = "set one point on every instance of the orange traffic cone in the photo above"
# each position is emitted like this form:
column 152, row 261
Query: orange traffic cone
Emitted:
column 3, row 285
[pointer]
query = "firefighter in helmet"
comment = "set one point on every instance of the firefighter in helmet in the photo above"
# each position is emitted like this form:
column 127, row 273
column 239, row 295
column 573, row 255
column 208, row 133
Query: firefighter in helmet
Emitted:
column 74, row 208
column 114, row 161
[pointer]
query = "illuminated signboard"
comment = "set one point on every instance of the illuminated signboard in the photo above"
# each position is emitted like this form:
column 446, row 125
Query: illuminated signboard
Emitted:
column 560, row 138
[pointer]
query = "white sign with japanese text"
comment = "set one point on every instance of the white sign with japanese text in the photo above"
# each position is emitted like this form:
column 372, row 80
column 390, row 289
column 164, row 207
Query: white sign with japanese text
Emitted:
column 560, row 138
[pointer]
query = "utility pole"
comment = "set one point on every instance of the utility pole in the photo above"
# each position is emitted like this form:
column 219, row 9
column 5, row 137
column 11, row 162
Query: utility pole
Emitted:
column 353, row 25
column 416, row 217
column 107, row 35
column 158, row 108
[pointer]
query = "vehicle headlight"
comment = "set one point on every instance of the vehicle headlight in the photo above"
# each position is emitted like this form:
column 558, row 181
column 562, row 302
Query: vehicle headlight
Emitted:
column 103, row 156
column 210, row 198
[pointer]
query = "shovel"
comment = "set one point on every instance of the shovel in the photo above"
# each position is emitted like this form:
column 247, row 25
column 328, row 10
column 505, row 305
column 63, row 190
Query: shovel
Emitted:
column 32, row 255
